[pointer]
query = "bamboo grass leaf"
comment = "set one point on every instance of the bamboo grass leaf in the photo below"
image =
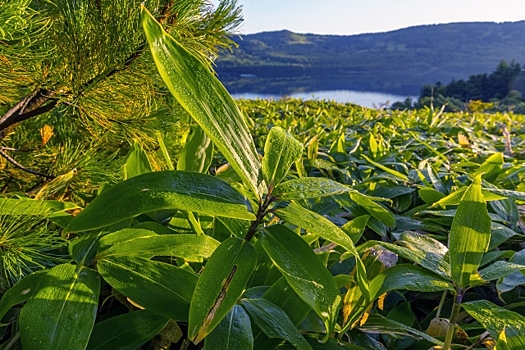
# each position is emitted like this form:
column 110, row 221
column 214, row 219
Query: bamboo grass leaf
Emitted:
column 304, row 272
column 274, row 322
column 159, row 287
column 205, row 98
column 220, row 285
column 469, row 235
column 180, row 190
column 135, row 329
column 61, row 313
column 281, row 150
column 234, row 332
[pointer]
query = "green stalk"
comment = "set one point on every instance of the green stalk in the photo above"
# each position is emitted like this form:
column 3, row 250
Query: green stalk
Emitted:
column 453, row 317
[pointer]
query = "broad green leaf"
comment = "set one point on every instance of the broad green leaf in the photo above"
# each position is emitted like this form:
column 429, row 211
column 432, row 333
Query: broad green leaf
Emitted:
column 355, row 228
column 378, row 324
column 495, row 319
column 315, row 223
column 436, row 181
column 360, row 204
column 331, row 344
column 61, row 313
column 392, row 172
column 158, row 287
column 374, row 209
column 304, row 272
column 500, row 269
column 197, row 154
column 29, row 206
column 199, row 91
column 309, row 187
column 281, row 150
column 274, row 322
column 234, row 332
column 514, row 279
column 507, row 193
column 491, row 168
column 191, row 247
column 469, row 235
column 285, row 298
column 162, row 190
column 421, row 250
column 21, row 291
column 127, row 331
column 408, row 277
column 137, row 162
column 430, row 195
column 220, row 285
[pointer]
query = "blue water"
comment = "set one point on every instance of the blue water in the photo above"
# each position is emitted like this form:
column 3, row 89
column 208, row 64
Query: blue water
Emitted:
column 363, row 98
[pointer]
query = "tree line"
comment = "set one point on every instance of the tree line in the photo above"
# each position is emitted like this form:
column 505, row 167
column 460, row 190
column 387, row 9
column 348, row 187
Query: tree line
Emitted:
column 501, row 90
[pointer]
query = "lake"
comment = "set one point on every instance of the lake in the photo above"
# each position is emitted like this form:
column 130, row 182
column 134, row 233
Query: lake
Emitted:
column 370, row 89
column 363, row 98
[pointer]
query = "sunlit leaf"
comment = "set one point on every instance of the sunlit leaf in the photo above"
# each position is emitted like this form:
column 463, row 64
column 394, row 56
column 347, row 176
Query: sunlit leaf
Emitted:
column 66, row 300
column 199, row 91
column 281, row 150
column 162, row 190
column 469, row 235
column 220, row 285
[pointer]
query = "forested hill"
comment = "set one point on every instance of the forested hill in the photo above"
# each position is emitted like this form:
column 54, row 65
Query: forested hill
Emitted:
column 457, row 50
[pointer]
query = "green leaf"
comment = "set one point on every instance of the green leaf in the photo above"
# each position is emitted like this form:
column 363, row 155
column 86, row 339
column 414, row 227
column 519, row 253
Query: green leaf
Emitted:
column 234, row 332
column 285, row 298
column 162, row 190
column 304, row 272
column 197, row 154
column 127, row 331
column 355, row 228
column 274, row 322
column 137, row 162
column 499, row 270
column 198, row 90
column 309, row 187
column 496, row 319
column 220, row 285
column 188, row 246
column 29, row 206
column 469, row 235
column 422, row 250
column 281, row 150
column 159, row 287
column 377, row 324
column 61, row 313
column 509, row 282
column 21, row 291
column 408, row 277
column 491, row 168
column 392, row 172
column 374, row 209
column 315, row 223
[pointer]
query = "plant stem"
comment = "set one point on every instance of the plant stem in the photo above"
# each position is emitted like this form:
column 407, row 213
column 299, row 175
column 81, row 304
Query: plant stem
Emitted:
column 453, row 316
column 441, row 302
column 261, row 213
column 12, row 341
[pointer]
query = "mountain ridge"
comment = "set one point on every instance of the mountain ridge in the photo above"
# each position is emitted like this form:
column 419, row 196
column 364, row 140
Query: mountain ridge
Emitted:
column 434, row 51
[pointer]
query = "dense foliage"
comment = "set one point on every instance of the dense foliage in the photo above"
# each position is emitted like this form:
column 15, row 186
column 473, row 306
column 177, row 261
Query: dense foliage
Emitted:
column 325, row 226
column 501, row 91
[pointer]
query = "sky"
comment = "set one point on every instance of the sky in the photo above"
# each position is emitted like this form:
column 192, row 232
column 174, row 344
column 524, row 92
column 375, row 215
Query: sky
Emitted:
column 370, row 16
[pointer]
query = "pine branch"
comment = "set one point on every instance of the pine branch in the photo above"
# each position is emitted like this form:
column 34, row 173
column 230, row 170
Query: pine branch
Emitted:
column 21, row 167
column 30, row 106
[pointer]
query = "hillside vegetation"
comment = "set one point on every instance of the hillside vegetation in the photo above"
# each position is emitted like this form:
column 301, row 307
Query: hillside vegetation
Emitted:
column 450, row 50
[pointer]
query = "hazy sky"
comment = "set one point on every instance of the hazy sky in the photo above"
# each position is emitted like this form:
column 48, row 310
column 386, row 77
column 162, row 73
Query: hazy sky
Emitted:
column 368, row 16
